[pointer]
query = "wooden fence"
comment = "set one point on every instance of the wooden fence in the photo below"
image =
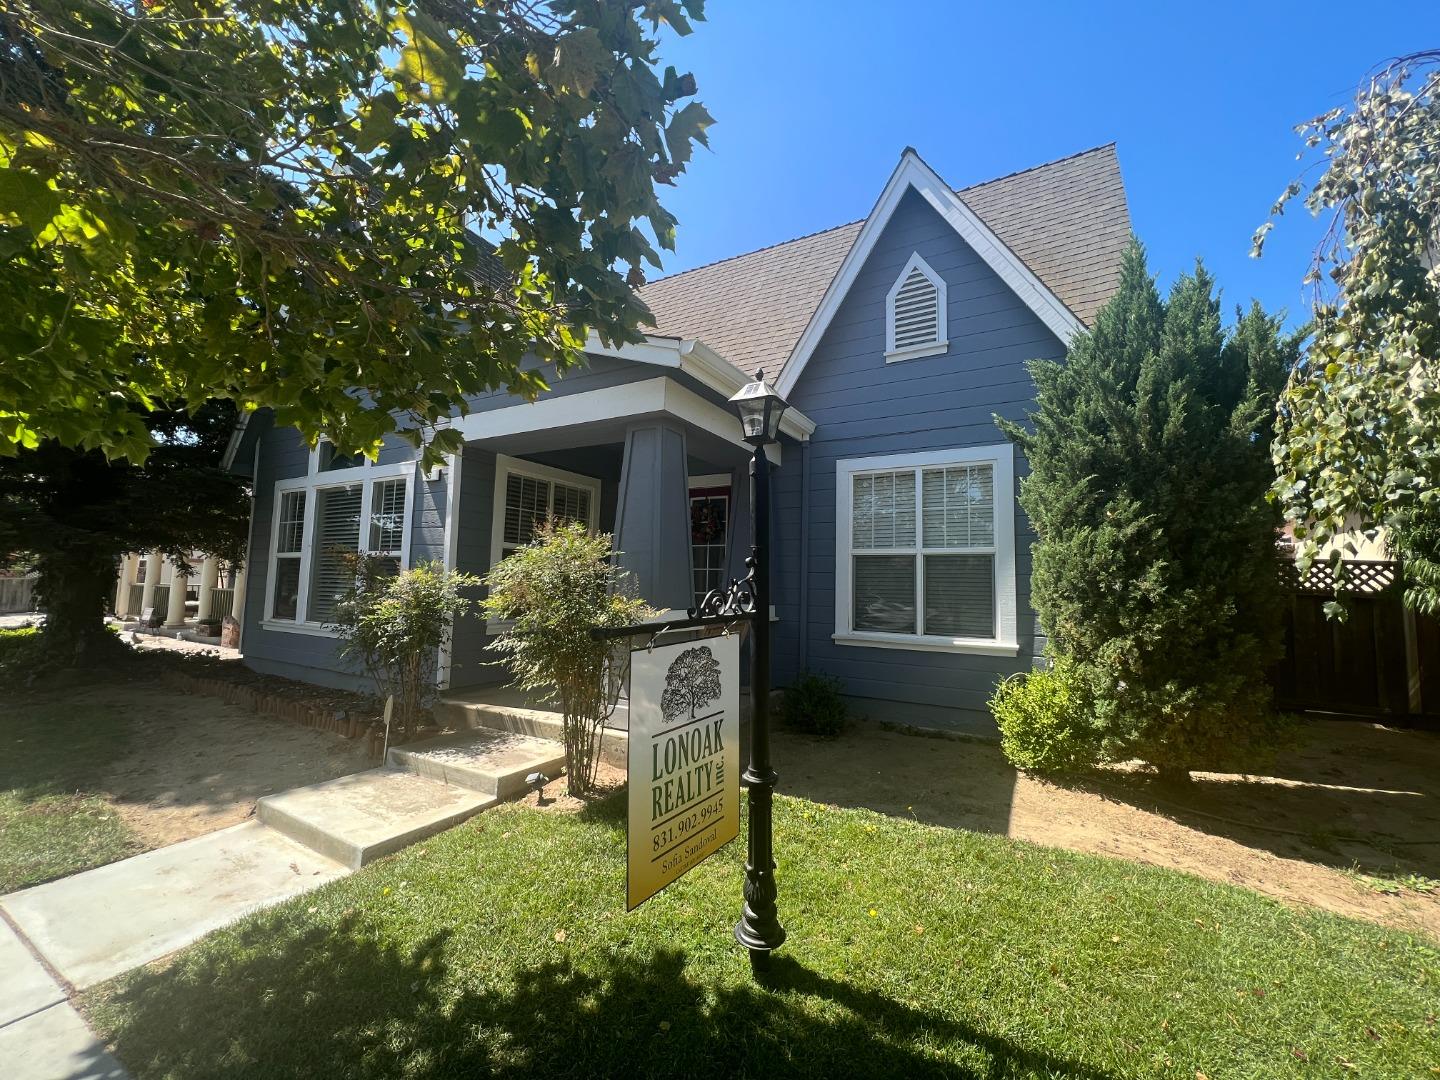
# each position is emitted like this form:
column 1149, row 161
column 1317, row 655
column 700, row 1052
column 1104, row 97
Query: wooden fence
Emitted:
column 1380, row 660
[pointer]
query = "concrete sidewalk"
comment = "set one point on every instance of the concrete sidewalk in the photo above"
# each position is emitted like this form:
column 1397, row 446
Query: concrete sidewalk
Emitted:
column 42, row 1037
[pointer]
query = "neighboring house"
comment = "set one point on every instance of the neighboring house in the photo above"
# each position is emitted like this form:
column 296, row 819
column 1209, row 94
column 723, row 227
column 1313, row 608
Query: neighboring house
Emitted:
column 900, row 558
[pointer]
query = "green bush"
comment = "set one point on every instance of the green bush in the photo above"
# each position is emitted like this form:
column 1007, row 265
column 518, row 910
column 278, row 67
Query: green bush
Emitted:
column 813, row 704
column 20, row 654
column 553, row 592
column 393, row 624
column 1046, row 719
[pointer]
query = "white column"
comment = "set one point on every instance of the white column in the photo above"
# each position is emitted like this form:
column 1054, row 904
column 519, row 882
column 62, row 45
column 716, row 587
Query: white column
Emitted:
column 122, row 586
column 209, row 575
column 239, row 609
column 175, row 616
column 154, row 562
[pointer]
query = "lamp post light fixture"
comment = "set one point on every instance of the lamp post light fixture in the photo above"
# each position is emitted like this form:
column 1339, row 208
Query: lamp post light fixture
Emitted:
column 759, row 930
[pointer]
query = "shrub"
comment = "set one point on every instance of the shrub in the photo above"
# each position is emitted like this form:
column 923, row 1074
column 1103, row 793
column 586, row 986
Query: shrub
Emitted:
column 813, row 704
column 1154, row 569
column 553, row 592
column 394, row 624
column 1046, row 719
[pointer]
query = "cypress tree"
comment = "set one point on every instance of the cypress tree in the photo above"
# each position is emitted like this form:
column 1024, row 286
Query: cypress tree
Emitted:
column 1154, row 571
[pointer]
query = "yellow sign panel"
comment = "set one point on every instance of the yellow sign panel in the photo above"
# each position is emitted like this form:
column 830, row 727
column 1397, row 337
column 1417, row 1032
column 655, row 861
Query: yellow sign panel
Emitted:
column 684, row 759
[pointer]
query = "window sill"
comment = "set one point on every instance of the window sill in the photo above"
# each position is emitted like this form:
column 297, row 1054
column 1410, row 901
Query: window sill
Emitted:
column 281, row 626
column 928, row 644
column 930, row 348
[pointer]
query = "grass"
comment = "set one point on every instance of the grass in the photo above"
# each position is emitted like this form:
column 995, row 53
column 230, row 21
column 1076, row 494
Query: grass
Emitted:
column 52, row 822
column 502, row 948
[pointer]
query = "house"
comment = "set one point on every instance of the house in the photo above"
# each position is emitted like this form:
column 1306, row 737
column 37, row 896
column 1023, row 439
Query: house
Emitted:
column 900, row 558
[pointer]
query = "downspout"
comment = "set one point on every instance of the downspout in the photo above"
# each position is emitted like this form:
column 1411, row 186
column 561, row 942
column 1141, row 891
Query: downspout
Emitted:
column 249, row 544
column 802, row 648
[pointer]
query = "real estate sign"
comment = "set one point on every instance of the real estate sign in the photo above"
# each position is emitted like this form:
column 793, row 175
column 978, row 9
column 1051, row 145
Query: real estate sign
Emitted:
column 684, row 759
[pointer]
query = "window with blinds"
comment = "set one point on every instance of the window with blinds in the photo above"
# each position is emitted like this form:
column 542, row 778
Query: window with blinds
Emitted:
column 387, row 521
column 923, row 551
column 337, row 531
column 531, row 500
column 289, row 535
column 915, row 312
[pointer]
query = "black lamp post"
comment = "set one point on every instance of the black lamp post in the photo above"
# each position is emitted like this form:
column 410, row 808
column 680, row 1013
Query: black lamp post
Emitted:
column 759, row 929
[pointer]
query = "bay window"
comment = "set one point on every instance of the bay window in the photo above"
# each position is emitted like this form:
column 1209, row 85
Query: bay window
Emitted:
column 925, row 551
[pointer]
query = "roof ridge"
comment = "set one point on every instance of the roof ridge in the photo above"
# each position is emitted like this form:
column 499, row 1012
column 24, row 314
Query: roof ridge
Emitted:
column 847, row 224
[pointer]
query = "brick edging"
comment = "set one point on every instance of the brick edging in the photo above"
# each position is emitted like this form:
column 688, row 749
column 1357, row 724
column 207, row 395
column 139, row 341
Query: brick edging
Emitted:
column 338, row 721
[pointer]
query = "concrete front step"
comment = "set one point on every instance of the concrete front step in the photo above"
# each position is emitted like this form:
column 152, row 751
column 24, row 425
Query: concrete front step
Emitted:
column 493, row 762
column 358, row 818
column 536, row 723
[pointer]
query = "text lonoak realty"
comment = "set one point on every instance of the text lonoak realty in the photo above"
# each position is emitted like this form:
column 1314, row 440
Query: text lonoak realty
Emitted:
column 684, row 759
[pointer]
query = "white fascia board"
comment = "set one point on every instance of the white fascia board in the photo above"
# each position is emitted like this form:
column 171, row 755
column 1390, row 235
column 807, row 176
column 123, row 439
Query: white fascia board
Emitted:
column 232, row 447
column 912, row 172
column 700, row 362
column 648, row 397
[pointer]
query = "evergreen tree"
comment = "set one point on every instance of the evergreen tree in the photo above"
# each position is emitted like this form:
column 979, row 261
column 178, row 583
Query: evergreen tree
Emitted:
column 1154, row 572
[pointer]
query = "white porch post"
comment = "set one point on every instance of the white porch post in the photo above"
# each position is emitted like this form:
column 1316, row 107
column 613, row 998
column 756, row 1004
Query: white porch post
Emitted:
column 175, row 616
column 209, row 577
column 154, row 561
column 238, row 611
column 122, row 586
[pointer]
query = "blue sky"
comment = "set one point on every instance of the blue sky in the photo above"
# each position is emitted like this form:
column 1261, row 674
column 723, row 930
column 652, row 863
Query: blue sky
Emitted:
column 814, row 102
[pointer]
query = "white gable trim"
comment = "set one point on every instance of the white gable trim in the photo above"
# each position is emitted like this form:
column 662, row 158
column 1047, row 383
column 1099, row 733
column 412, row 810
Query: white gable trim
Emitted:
column 912, row 172
column 702, row 363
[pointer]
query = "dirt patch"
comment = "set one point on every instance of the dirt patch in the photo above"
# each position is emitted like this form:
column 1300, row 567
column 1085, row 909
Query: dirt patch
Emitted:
column 556, row 800
column 1349, row 797
column 194, row 764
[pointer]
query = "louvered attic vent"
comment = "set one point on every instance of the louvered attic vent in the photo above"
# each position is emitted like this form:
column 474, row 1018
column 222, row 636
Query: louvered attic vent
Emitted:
column 914, row 313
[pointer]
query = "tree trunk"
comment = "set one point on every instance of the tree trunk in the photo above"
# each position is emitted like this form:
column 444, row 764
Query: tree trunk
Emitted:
column 1176, row 775
column 74, row 589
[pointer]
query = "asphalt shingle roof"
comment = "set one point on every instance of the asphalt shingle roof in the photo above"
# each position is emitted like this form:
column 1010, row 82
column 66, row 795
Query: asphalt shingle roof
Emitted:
column 1067, row 220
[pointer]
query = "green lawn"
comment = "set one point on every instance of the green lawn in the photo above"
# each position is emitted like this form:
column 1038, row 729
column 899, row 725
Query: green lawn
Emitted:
column 502, row 948
column 51, row 824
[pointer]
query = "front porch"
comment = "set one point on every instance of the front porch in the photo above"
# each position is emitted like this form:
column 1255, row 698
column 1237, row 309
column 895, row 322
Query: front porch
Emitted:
column 208, row 590
column 645, row 464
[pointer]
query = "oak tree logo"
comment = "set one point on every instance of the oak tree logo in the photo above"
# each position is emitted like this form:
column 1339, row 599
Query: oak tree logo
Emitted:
column 691, row 682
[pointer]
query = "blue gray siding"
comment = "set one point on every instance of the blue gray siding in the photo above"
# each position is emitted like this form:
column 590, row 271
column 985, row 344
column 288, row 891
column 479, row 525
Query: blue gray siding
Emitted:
column 864, row 407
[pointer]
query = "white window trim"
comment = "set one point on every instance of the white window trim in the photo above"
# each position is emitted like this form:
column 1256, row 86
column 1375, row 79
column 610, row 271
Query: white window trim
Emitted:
column 942, row 321
column 505, row 467
column 1001, row 458
column 367, row 475
column 355, row 471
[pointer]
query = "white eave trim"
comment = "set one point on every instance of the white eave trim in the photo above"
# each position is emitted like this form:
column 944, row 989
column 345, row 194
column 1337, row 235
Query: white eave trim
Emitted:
column 700, row 362
column 232, row 448
column 912, row 172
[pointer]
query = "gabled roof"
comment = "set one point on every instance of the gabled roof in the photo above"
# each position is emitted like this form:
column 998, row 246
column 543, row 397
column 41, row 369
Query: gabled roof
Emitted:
column 1065, row 223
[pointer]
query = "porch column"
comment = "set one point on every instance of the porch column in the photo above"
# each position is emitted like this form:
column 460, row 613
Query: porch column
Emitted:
column 122, row 586
column 175, row 616
column 209, row 576
column 154, row 562
column 652, row 520
column 238, row 611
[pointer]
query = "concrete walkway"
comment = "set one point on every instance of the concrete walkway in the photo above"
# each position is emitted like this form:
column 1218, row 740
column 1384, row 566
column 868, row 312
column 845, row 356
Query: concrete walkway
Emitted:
column 79, row 931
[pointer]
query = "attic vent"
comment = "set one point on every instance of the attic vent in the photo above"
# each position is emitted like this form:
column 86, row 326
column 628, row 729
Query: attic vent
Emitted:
column 914, row 313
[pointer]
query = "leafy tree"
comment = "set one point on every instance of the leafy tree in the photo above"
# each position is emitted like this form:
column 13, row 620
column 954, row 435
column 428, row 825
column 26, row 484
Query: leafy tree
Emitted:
column 1358, row 439
column 1154, row 572
column 692, row 681
column 75, row 512
column 278, row 201
column 552, row 593
column 393, row 625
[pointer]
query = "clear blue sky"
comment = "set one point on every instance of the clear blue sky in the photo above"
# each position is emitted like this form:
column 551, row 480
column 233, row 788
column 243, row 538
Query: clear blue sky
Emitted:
column 814, row 101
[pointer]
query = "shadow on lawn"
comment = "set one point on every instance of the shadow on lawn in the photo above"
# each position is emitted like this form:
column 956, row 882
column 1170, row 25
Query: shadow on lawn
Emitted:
column 336, row 1004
